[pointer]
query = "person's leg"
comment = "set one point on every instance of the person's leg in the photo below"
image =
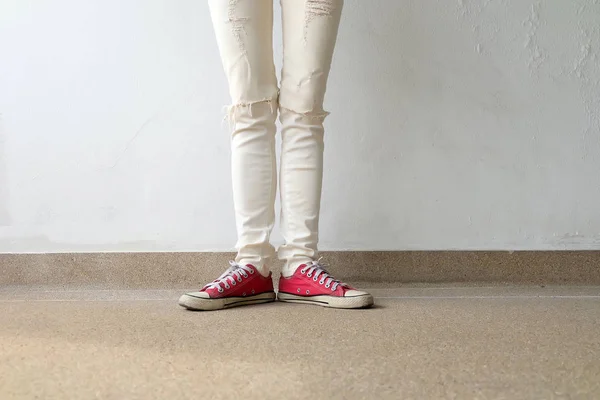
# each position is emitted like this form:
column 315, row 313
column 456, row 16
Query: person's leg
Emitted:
column 309, row 35
column 244, row 35
column 244, row 30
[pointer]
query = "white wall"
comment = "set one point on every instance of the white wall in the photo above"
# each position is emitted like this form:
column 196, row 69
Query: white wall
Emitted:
column 456, row 124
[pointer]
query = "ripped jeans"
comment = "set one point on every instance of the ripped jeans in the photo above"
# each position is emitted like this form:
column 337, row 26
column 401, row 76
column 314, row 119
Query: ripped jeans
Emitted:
column 244, row 31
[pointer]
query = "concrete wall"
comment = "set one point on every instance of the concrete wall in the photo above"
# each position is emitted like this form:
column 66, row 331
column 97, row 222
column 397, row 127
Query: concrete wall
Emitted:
column 456, row 124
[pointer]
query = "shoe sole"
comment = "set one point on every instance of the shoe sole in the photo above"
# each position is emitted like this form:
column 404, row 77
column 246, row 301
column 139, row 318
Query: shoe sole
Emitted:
column 201, row 304
column 362, row 301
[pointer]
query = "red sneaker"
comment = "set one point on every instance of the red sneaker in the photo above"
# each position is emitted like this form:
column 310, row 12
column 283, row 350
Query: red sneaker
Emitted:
column 240, row 285
column 313, row 285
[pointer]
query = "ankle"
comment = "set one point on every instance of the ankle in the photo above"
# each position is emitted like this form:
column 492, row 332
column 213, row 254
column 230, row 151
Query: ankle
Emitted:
column 290, row 267
column 260, row 266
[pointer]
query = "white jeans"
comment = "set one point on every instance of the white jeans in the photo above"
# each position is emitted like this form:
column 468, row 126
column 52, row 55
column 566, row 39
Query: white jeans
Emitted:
column 244, row 30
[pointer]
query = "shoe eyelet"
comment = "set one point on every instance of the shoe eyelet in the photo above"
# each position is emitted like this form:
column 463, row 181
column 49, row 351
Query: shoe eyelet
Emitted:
column 251, row 271
column 239, row 279
column 327, row 286
column 244, row 294
column 298, row 290
column 234, row 283
column 252, row 291
column 220, row 290
column 302, row 271
column 227, row 287
column 315, row 278
column 309, row 275
column 322, row 281
column 308, row 292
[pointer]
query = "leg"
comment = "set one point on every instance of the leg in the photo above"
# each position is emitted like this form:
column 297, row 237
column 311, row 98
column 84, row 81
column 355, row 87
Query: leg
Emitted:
column 244, row 36
column 309, row 34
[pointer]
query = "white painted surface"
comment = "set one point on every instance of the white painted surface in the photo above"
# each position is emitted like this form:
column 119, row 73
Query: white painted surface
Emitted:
column 455, row 125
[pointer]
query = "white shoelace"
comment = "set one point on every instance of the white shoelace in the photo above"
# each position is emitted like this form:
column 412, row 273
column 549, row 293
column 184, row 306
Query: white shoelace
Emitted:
column 230, row 277
column 316, row 269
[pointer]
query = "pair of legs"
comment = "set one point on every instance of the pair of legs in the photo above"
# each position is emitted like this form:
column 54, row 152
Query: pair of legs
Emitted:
column 244, row 31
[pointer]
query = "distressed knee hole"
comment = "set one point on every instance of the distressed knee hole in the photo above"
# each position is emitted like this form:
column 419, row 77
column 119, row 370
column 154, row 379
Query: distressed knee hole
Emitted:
column 232, row 111
column 313, row 115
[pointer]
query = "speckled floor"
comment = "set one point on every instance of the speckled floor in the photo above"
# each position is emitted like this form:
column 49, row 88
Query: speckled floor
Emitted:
column 419, row 342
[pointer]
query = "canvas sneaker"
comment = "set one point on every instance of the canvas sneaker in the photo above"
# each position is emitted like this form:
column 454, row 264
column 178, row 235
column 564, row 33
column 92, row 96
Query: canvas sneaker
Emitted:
column 312, row 284
column 239, row 285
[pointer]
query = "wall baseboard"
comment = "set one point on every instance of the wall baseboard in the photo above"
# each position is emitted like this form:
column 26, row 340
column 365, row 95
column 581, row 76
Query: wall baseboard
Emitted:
column 186, row 270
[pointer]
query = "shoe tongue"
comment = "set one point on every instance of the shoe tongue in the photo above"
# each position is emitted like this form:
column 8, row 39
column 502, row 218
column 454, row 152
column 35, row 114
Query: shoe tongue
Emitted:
column 229, row 271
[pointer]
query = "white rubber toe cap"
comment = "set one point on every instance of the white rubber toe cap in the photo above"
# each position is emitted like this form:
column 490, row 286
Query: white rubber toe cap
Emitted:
column 202, row 295
column 354, row 293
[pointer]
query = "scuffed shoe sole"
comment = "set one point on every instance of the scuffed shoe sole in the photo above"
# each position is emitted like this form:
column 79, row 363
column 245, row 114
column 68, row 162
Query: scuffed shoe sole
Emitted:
column 201, row 304
column 362, row 301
